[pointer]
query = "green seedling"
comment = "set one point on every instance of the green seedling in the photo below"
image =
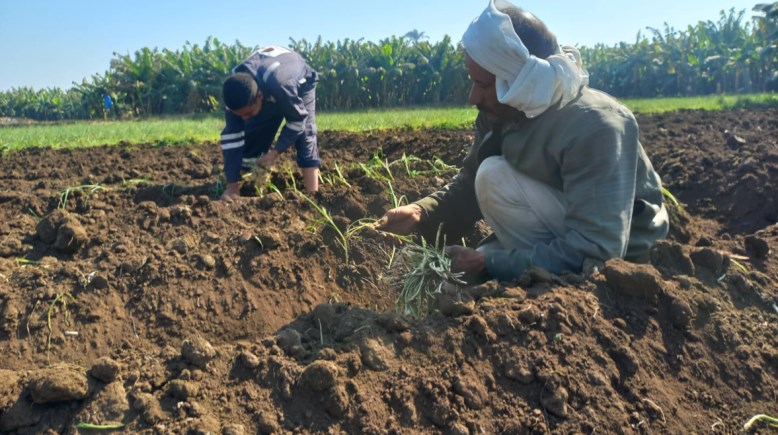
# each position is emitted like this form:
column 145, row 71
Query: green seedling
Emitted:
column 218, row 188
column 439, row 166
column 411, row 163
column 383, row 164
column 62, row 298
column 132, row 183
column 104, row 426
column 340, row 176
column 396, row 202
column 34, row 215
column 343, row 237
column 671, row 197
column 326, row 218
column 370, row 172
column 87, row 190
column 375, row 166
column 422, row 271
column 771, row 421
column 275, row 189
column 24, row 262
column 219, row 185
column 169, row 190
column 407, row 162
column 291, row 181
column 85, row 280
column 390, row 255
column 259, row 191
column 326, row 179
column 739, row 265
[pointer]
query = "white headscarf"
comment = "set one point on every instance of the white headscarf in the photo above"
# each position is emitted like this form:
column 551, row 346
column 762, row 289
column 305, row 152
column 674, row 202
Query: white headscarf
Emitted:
column 525, row 82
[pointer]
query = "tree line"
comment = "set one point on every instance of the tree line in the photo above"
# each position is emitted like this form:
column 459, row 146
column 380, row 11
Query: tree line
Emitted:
column 731, row 55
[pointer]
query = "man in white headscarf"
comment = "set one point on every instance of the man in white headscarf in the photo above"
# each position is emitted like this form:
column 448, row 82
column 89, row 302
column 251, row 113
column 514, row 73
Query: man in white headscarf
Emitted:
column 556, row 168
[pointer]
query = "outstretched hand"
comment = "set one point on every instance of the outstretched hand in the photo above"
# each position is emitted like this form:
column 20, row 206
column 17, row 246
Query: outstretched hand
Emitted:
column 401, row 220
column 231, row 192
column 268, row 158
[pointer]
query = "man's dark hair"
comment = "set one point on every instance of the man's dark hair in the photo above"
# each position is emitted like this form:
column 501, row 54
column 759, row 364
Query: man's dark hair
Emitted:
column 533, row 33
column 239, row 90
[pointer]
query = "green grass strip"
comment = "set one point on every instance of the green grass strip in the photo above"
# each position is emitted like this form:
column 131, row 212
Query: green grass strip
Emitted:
column 187, row 130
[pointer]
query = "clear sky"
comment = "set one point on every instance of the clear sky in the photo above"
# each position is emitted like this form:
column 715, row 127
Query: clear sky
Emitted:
column 52, row 43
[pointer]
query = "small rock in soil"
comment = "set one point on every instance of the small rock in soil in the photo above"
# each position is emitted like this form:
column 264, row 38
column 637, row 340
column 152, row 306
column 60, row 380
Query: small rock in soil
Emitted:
column 183, row 390
column 58, row 384
column 555, row 401
column 234, row 429
column 249, row 360
column 267, row 423
column 197, row 351
column 48, row 226
column 149, row 408
column 668, row 257
column 71, row 236
column 105, row 369
column 711, row 260
column 636, row 280
column 109, row 404
column 374, row 355
column 757, row 247
column 320, row 375
column 337, row 402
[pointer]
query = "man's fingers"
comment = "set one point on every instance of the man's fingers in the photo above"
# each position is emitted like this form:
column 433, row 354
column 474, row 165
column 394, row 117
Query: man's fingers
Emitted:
column 386, row 219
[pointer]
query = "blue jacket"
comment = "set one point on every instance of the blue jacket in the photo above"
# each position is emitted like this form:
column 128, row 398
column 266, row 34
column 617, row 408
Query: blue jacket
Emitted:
column 282, row 75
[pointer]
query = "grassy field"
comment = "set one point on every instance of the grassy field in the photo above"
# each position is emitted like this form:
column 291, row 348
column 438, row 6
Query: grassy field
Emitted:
column 188, row 130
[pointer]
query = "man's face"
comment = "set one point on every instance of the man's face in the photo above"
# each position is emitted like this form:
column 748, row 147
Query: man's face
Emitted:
column 483, row 94
column 251, row 110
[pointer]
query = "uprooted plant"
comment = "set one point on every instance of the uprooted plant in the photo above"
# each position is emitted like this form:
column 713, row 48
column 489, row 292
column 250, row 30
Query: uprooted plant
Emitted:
column 259, row 177
column 420, row 272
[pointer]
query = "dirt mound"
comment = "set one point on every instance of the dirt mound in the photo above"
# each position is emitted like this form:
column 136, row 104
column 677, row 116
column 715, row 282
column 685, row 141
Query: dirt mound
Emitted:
column 128, row 294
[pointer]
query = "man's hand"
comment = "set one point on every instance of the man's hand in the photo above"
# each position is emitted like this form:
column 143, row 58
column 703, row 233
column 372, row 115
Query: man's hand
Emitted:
column 466, row 260
column 268, row 158
column 401, row 220
column 231, row 192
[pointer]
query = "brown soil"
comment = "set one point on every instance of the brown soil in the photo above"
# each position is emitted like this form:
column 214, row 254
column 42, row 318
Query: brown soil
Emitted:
column 193, row 315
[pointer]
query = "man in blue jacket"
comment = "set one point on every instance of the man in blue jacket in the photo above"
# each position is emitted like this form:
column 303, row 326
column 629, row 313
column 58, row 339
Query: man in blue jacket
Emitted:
column 273, row 85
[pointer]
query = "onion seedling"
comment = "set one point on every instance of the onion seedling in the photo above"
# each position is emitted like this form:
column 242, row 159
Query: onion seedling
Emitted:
column 62, row 299
column 87, row 190
column 422, row 270
column 771, row 421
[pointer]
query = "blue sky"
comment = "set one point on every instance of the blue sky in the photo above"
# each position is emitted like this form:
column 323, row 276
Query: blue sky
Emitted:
column 52, row 43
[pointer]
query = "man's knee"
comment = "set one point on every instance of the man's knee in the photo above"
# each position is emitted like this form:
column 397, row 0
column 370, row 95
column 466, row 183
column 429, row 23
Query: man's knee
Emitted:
column 491, row 177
